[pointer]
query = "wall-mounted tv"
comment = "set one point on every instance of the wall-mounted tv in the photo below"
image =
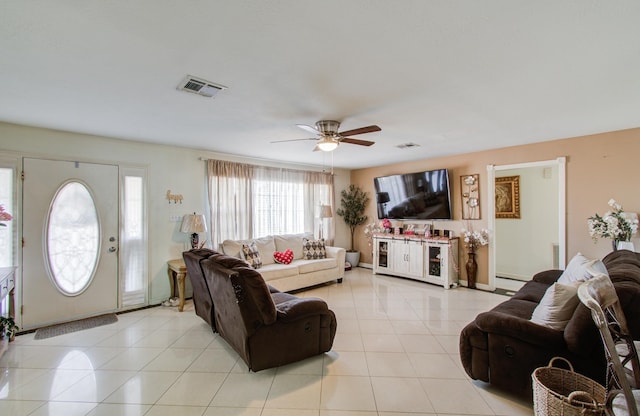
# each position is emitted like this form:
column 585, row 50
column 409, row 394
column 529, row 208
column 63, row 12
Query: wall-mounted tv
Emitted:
column 414, row 196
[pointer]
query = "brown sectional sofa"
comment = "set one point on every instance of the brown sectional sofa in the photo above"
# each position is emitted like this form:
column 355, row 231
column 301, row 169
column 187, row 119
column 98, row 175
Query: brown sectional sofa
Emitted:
column 266, row 327
column 503, row 347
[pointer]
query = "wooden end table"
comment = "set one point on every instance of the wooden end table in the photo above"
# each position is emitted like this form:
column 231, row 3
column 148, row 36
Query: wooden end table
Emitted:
column 177, row 271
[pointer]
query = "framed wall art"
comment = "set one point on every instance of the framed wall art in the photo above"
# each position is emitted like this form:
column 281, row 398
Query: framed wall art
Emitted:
column 470, row 189
column 508, row 197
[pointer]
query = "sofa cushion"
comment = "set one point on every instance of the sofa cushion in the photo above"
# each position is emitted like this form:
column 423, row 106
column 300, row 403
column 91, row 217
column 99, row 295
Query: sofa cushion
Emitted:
column 277, row 271
column 283, row 257
column 266, row 246
column 557, row 306
column 252, row 255
column 577, row 270
column 309, row 266
column 291, row 241
column 313, row 249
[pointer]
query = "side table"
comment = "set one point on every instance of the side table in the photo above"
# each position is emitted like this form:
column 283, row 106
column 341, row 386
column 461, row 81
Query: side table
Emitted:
column 177, row 271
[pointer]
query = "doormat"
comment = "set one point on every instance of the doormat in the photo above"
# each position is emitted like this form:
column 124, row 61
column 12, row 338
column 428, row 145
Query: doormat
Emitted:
column 504, row 292
column 74, row 326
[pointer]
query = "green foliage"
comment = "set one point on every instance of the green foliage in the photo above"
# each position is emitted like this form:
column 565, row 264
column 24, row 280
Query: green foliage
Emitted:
column 8, row 327
column 352, row 206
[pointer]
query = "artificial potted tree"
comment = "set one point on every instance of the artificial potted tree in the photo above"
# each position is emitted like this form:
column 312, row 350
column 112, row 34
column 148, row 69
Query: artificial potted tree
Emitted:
column 8, row 328
column 352, row 206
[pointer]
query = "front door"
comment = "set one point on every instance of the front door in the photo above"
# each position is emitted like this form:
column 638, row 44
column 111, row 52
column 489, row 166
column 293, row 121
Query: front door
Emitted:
column 70, row 249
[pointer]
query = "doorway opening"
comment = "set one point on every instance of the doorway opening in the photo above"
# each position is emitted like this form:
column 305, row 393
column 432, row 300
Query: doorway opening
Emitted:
column 535, row 239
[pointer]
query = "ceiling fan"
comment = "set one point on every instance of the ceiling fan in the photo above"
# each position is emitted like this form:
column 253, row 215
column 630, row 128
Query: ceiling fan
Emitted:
column 329, row 137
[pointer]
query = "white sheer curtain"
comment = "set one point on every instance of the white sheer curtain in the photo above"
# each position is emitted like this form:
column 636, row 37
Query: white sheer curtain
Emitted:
column 229, row 188
column 248, row 201
column 318, row 189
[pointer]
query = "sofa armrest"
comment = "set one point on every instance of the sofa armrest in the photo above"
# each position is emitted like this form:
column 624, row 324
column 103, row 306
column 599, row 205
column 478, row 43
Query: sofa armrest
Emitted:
column 547, row 277
column 300, row 308
column 518, row 328
column 338, row 253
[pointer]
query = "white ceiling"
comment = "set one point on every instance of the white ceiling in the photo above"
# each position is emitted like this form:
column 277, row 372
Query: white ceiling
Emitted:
column 451, row 76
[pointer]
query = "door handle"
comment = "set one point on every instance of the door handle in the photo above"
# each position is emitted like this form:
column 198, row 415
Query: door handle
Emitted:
column 112, row 249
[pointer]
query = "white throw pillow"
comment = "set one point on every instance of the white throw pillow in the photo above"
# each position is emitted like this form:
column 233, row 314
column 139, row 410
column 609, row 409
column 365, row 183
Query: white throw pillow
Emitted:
column 596, row 267
column 557, row 306
column 577, row 270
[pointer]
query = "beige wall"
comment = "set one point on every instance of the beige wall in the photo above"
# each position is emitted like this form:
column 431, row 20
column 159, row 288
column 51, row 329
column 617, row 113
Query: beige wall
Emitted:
column 169, row 168
column 599, row 167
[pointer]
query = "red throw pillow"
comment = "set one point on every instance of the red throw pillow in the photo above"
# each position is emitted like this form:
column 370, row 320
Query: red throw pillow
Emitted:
column 285, row 257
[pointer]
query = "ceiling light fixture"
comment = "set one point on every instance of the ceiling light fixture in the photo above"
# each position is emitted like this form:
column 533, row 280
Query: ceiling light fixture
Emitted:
column 328, row 144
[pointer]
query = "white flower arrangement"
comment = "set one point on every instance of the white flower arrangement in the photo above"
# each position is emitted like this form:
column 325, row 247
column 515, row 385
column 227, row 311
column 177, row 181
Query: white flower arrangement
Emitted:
column 474, row 239
column 612, row 224
column 370, row 230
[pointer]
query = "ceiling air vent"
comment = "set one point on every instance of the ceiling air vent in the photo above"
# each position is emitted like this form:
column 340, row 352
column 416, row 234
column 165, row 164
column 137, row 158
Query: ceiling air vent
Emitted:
column 200, row 86
column 407, row 145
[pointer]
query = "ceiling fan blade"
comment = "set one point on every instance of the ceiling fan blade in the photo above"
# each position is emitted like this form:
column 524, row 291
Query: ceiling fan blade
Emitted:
column 293, row 140
column 361, row 130
column 356, row 141
column 308, row 128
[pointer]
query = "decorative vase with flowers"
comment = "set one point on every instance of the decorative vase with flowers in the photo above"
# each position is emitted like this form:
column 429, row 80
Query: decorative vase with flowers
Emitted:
column 614, row 224
column 370, row 230
column 4, row 216
column 472, row 241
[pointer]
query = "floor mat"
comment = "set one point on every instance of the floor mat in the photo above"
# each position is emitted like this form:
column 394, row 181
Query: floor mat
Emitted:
column 74, row 326
column 504, row 292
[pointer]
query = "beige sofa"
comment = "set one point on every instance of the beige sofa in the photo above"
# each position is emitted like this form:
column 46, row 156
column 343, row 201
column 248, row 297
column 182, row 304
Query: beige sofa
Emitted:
column 300, row 273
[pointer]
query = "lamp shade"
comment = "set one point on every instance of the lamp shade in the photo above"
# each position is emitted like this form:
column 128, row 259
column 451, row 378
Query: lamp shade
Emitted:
column 325, row 211
column 327, row 144
column 193, row 223
column 382, row 197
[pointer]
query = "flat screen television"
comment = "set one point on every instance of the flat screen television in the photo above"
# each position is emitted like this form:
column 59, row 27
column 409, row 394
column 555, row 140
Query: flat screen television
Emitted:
column 414, row 196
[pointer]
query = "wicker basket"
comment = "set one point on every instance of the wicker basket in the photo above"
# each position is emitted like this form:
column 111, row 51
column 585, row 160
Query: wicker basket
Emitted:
column 561, row 392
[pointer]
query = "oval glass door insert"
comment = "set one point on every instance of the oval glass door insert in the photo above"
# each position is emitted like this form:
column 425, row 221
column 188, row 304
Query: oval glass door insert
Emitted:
column 73, row 238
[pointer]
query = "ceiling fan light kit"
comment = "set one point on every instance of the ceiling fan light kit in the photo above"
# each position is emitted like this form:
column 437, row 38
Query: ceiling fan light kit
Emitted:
column 327, row 144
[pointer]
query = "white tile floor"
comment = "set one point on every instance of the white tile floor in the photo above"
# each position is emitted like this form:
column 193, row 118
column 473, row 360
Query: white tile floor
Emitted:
column 395, row 353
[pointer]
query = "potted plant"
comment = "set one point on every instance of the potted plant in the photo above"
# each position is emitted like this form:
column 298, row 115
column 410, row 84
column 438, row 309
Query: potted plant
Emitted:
column 8, row 328
column 352, row 205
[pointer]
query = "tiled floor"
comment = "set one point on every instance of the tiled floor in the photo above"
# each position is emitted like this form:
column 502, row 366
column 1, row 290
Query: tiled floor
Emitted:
column 395, row 353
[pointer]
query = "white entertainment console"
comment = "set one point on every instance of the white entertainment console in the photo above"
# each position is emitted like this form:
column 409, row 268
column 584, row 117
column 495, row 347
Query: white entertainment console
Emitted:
column 432, row 260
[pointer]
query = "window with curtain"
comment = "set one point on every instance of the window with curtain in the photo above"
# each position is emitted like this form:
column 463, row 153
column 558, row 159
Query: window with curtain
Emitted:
column 8, row 201
column 250, row 201
column 133, row 239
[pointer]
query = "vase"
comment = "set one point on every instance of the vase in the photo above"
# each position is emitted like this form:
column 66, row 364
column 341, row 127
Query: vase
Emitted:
column 472, row 270
column 624, row 245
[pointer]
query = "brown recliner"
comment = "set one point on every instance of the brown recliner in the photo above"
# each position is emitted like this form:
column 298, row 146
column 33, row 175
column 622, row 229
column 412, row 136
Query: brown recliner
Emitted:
column 267, row 328
column 201, row 298
column 503, row 347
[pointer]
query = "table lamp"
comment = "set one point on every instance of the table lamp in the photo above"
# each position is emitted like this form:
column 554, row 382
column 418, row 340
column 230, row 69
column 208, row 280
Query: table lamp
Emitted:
column 194, row 224
column 325, row 212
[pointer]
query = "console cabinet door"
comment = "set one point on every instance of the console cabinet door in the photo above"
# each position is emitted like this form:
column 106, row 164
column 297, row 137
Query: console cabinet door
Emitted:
column 408, row 258
column 382, row 255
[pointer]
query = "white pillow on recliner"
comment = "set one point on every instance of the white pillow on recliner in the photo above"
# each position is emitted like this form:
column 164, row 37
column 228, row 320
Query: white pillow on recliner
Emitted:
column 581, row 269
column 557, row 306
